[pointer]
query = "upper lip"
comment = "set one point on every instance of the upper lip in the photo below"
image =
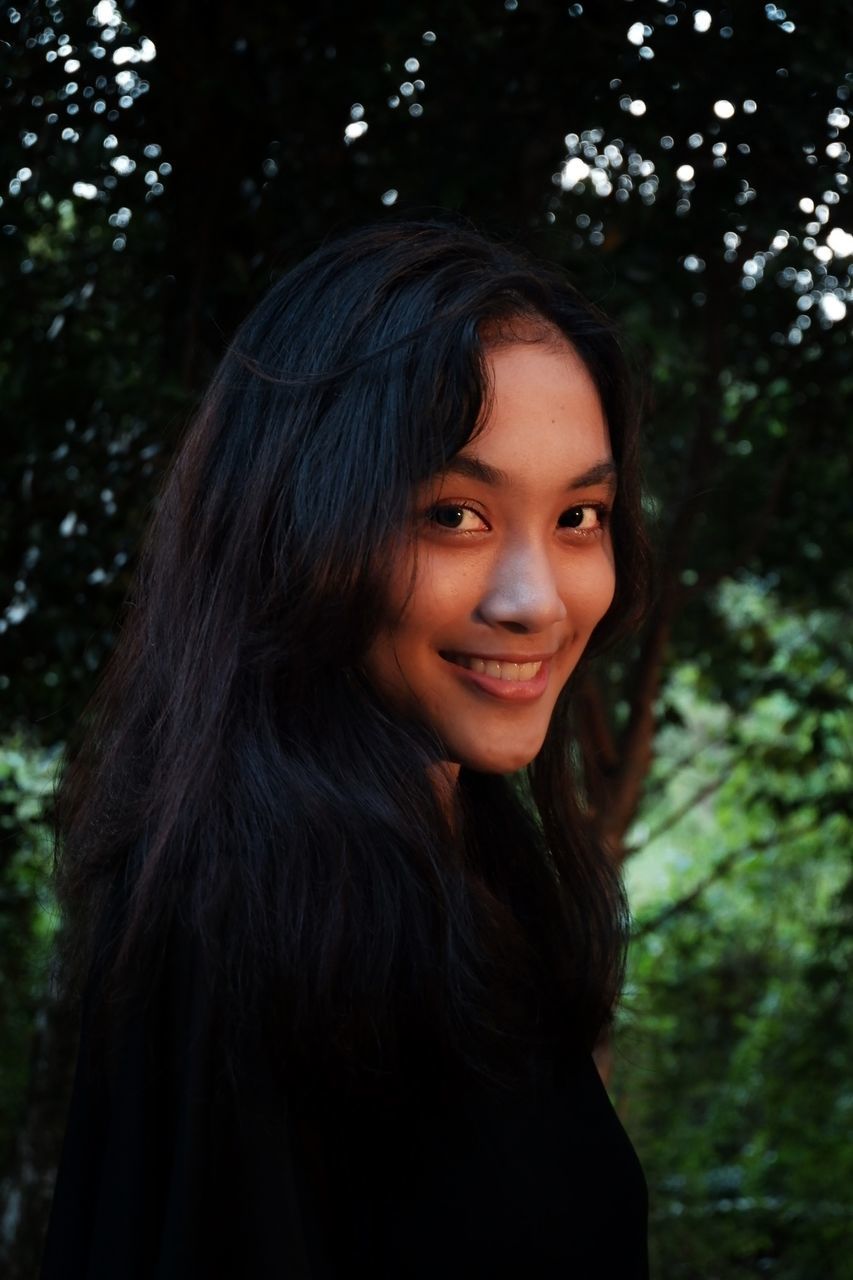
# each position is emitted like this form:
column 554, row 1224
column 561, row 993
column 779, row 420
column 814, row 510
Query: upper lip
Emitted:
column 500, row 657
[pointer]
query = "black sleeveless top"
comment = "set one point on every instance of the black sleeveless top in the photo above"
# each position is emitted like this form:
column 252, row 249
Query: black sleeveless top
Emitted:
column 173, row 1171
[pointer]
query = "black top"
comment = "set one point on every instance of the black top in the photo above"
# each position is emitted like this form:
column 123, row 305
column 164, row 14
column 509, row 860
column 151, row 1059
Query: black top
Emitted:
column 170, row 1173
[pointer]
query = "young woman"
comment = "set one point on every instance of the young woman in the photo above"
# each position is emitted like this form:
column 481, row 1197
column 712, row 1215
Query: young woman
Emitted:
column 343, row 976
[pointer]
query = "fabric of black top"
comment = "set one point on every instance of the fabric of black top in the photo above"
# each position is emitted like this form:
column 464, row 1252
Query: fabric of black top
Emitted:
column 170, row 1173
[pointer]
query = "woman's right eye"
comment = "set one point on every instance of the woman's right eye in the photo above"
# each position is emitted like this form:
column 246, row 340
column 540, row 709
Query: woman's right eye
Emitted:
column 456, row 518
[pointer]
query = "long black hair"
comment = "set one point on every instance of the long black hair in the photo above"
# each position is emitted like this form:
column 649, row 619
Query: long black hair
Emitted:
column 236, row 777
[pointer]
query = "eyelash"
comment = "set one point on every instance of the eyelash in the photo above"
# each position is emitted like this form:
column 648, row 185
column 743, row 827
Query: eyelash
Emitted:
column 602, row 511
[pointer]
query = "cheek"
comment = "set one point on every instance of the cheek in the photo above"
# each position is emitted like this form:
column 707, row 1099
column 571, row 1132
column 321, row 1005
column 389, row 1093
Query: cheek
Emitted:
column 606, row 590
column 444, row 587
column 589, row 589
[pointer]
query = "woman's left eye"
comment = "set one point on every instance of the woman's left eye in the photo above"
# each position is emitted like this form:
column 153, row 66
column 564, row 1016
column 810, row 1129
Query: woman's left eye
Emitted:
column 586, row 519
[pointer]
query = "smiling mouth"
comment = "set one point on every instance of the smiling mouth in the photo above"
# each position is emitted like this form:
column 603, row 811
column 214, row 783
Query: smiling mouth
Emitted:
column 514, row 672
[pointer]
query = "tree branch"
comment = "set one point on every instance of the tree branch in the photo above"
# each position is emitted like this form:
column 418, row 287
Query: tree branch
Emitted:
column 719, row 870
column 638, row 738
column 677, row 814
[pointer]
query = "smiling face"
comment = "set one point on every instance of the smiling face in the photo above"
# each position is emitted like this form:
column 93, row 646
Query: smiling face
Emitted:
column 511, row 567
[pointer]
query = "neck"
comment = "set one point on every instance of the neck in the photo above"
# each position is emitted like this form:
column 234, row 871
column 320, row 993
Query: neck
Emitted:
column 444, row 775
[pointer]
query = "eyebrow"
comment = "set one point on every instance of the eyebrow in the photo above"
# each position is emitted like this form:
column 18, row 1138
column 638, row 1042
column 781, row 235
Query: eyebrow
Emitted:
column 603, row 472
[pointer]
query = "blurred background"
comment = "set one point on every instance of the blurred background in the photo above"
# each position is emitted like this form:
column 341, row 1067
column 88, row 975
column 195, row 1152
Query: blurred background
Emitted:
column 163, row 162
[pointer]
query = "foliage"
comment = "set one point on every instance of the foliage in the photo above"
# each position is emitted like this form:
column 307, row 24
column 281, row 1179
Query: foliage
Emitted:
column 26, row 918
column 738, row 1026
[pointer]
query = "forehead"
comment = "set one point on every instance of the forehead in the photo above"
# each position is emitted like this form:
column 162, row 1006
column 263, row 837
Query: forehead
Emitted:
column 543, row 411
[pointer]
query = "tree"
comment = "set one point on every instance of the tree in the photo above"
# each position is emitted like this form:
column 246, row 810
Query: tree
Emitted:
column 738, row 1020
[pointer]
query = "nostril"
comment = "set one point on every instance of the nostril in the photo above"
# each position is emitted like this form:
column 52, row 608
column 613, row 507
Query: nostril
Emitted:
column 528, row 606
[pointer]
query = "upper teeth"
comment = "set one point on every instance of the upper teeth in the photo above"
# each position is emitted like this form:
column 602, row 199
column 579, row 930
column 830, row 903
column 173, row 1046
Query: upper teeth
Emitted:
column 500, row 670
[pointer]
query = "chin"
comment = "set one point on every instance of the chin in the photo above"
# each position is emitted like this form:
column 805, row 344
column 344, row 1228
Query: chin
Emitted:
column 507, row 760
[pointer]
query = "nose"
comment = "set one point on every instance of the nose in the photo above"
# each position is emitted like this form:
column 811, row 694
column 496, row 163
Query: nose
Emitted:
column 523, row 590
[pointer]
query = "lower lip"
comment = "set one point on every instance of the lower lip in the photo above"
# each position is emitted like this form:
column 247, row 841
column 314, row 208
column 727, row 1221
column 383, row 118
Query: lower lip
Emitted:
column 505, row 690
